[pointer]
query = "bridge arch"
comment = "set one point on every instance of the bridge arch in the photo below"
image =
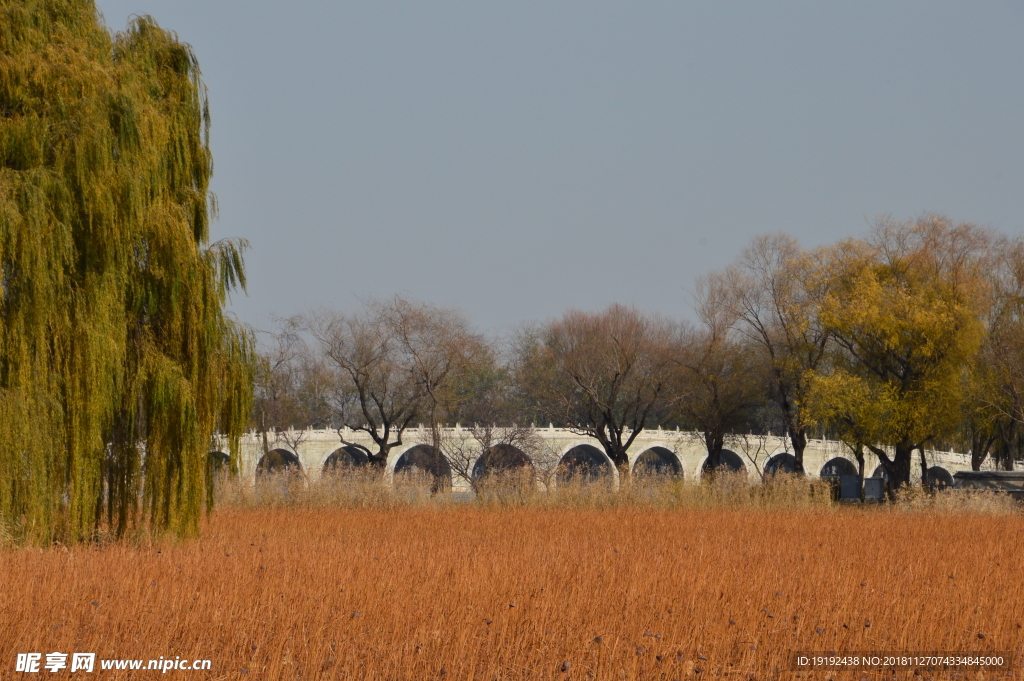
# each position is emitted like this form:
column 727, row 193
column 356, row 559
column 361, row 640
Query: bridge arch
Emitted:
column 783, row 462
column 218, row 461
column 278, row 460
column 938, row 478
column 837, row 466
column 657, row 460
column 342, row 457
column 218, row 468
column 501, row 458
column 395, row 454
column 426, row 460
column 728, row 462
column 584, row 463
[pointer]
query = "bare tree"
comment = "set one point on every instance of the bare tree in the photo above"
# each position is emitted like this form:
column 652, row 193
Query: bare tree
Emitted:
column 773, row 292
column 717, row 380
column 995, row 411
column 600, row 375
column 490, row 457
column 292, row 387
column 394, row 364
column 754, row 447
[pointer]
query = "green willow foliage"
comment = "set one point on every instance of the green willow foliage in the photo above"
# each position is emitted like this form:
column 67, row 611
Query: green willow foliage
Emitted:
column 117, row 362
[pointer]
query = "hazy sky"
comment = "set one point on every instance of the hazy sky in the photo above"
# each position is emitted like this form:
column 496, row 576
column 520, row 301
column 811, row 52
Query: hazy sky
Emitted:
column 517, row 159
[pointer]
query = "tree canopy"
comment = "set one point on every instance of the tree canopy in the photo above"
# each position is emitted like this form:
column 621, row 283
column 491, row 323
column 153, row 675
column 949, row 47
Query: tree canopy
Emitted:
column 905, row 309
column 397, row 364
column 772, row 294
column 117, row 361
column 601, row 375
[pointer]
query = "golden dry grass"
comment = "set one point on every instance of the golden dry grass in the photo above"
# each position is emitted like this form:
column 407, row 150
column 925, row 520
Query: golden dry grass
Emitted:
column 362, row 488
column 514, row 593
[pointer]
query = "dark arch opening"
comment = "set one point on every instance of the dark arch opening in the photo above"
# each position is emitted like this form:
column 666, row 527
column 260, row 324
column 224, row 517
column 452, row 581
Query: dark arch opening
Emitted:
column 938, row 478
column 582, row 463
column 344, row 458
column 833, row 468
column 783, row 462
column 218, row 462
column 657, row 461
column 218, row 469
column 880, row 472
column 278, row 461
column 728, row 462
column 426, row 461
column 501, row 459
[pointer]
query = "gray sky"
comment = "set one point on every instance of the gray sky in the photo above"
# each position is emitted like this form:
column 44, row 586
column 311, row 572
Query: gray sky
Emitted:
column 517, row 159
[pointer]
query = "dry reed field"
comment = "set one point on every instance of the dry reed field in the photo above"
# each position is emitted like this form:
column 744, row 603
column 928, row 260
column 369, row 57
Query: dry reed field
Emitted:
column 471, row 592
column 433, row 591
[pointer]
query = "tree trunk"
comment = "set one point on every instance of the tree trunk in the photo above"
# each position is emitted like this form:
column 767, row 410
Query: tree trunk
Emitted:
column 1009, row 454
column 263, row 430
column 621, row 462
column 979, row 449
column 714, row 441
column 1002, row 452
column 798, row 438
column 610, row 440
column 899, row 470
column 380, row 459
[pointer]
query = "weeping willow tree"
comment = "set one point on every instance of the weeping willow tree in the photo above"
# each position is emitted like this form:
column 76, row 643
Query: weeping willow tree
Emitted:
column 117, row 361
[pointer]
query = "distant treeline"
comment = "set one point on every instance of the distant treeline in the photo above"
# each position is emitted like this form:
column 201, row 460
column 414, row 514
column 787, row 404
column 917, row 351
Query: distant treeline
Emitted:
column 909, row 339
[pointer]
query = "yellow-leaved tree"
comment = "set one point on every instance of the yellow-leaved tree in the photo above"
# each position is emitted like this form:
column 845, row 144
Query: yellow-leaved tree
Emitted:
column 905, row 310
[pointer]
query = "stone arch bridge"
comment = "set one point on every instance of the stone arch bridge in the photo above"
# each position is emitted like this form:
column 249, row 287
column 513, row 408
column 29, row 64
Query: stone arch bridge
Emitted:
column 653, row 451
